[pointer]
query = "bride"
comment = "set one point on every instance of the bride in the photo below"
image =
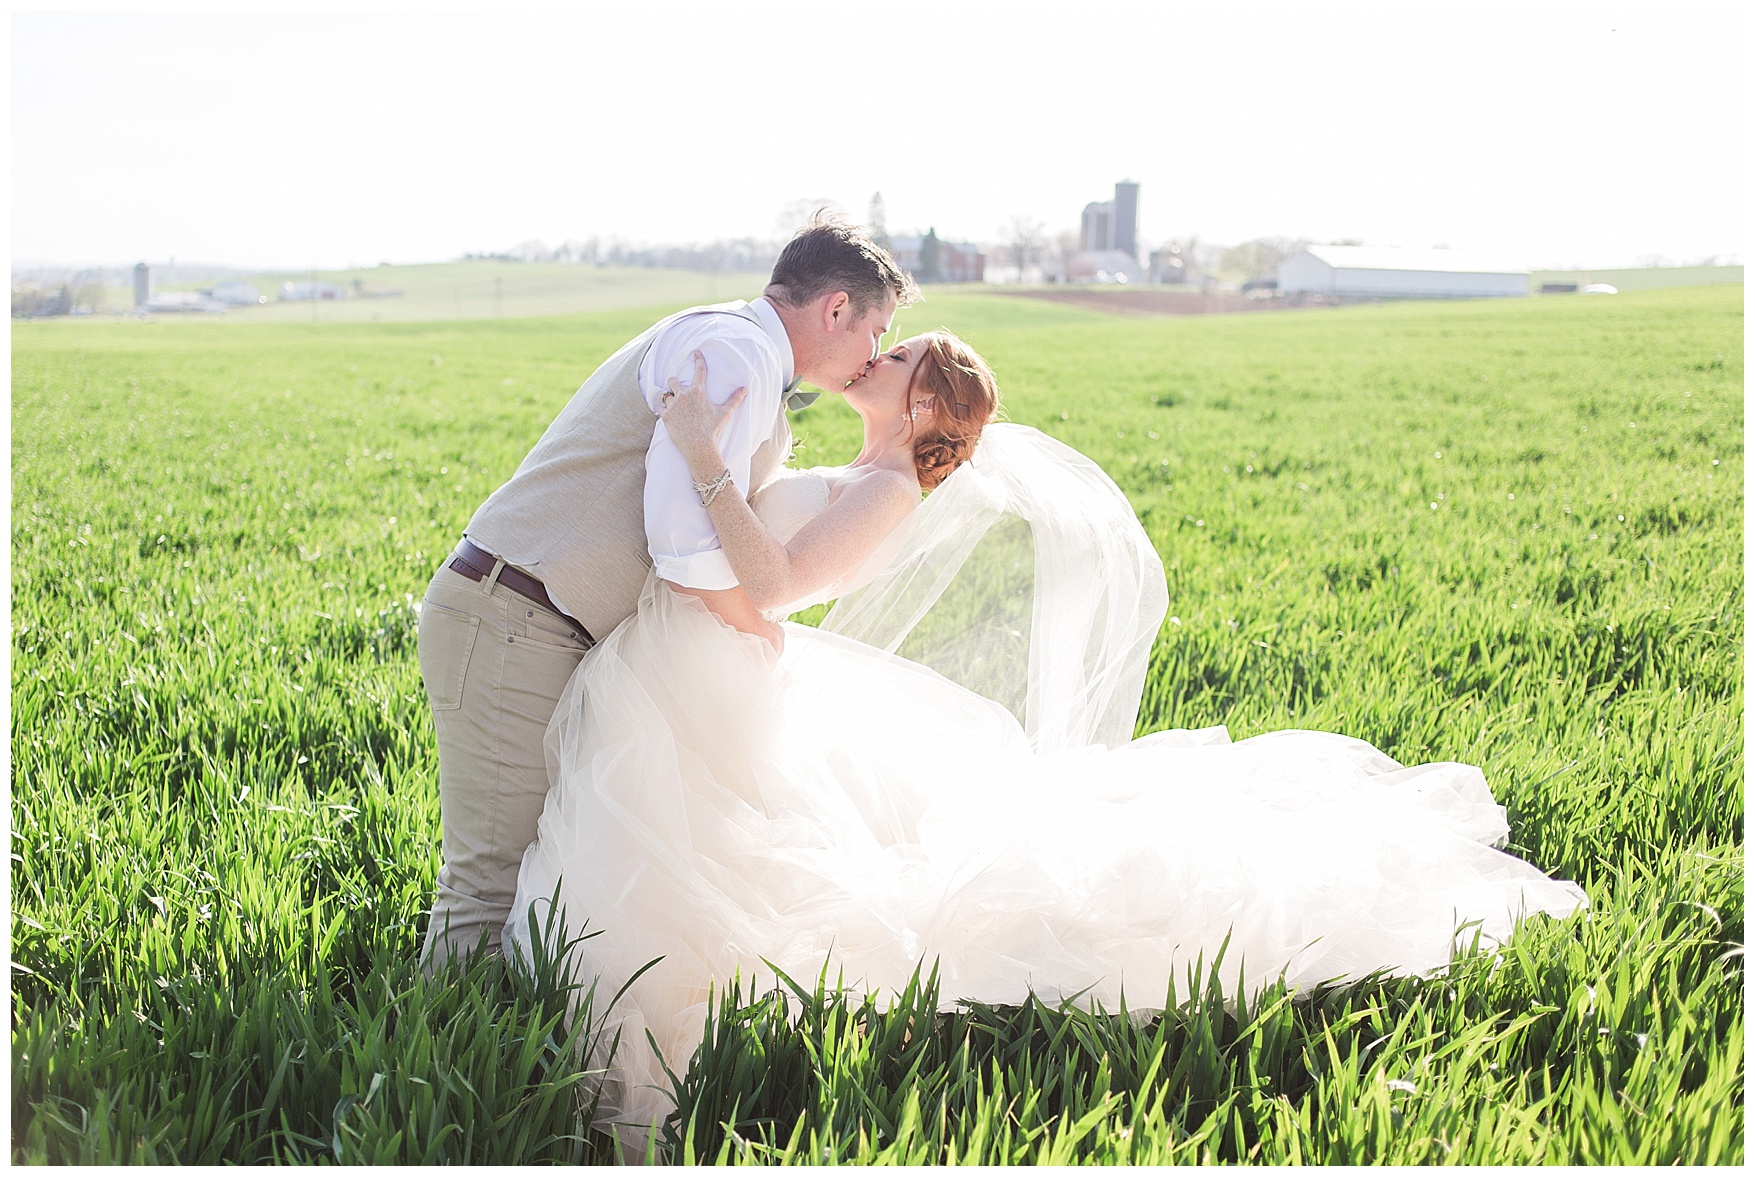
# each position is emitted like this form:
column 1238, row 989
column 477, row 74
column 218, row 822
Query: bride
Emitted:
column 944, row 770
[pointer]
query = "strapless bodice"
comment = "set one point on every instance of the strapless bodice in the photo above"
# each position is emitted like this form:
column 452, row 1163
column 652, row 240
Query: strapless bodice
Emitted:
column 792, row 498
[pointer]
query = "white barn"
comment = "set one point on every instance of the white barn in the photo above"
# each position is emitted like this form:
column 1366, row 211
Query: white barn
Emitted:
column 1368, row 271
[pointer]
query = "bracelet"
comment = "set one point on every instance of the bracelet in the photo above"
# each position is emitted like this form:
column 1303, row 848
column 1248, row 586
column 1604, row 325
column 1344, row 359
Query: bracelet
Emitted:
column 710, row 490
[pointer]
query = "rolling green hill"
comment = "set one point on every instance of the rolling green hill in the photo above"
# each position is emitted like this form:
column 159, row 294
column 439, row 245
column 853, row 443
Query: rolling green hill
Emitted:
column 486, row 290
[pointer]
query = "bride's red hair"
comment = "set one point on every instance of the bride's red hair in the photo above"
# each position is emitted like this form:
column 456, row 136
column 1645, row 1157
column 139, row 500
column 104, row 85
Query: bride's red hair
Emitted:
column 965, row 397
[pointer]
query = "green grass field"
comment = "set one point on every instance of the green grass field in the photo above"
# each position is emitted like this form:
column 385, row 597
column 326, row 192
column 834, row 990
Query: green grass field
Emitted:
column 1509, row 533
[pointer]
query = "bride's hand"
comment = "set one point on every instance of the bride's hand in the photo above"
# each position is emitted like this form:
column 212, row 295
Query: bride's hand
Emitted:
column 693, row 420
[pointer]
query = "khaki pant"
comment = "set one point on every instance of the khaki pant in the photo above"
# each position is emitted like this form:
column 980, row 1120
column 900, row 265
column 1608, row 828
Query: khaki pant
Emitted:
column 494, row 664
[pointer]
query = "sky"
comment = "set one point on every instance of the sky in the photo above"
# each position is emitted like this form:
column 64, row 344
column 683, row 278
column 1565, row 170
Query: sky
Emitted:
column 1548, row 134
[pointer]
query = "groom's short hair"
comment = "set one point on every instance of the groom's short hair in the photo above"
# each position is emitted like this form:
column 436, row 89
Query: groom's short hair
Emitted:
column 830, row 254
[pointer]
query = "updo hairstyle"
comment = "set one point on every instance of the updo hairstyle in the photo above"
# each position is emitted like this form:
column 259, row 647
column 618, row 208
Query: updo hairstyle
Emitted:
column 965, row 397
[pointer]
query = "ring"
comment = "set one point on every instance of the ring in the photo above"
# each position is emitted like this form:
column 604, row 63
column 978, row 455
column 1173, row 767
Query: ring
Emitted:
column 666, row 395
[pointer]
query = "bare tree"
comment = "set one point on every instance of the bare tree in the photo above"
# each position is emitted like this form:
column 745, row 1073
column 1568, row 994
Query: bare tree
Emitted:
column 1024, row 237
column 88, row 294
column 1260, row 258
column 1066, row 244
column 1198, row 257
column 797, row 213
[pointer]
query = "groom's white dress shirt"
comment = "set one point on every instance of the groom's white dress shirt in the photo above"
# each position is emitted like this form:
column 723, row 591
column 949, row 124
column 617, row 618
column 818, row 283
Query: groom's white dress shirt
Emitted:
column 740, row 354
column 574, row 514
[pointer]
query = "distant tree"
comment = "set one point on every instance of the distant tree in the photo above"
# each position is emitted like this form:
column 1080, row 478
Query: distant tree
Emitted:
column 1024, row 238
column 875, row 220
column 929, row 257
column 30, row 301
column 1197, row 256
column 1066, row 244
column 89, row 294
column 1260, row 258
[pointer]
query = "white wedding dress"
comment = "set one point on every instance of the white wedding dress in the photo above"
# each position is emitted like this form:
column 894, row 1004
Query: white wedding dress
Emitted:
column 979, row 802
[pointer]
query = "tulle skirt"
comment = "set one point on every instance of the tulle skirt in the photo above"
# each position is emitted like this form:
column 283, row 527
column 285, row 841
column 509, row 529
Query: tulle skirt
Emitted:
column 714, row 806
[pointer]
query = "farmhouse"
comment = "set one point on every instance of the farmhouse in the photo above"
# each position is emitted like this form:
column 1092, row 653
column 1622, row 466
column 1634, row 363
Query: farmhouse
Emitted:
column 1364, row 271
column 929, row 258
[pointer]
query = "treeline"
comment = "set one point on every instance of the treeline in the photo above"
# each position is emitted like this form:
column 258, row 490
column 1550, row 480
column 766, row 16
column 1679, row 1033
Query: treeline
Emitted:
column 35, row 299
column 740, row 253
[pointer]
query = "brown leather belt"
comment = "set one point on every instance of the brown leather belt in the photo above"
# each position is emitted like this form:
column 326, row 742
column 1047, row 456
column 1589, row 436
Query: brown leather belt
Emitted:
column 476, row 562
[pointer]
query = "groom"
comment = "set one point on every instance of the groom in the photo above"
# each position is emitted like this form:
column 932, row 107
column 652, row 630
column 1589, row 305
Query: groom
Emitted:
column 556, row 557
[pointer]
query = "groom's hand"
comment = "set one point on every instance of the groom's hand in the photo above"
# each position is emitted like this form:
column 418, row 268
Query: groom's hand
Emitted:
column 695, row 423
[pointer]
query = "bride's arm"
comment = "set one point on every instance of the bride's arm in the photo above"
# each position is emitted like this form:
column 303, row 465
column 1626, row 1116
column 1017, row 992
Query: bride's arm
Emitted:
column 828, row 548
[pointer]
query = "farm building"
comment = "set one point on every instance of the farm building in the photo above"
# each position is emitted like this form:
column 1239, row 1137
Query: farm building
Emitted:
column 929, row 258
column 237, row 294
column 190, row 301
column 1112, row 224
column 1365, row 271
column 310, row 291
column 1103, row 265
column 1169, row 267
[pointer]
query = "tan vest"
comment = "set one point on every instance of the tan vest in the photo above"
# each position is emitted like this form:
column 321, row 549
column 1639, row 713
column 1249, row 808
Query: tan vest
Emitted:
column 573, row 515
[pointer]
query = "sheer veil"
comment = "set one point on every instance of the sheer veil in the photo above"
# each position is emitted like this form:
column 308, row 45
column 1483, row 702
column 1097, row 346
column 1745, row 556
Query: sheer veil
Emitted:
column 1026, row 579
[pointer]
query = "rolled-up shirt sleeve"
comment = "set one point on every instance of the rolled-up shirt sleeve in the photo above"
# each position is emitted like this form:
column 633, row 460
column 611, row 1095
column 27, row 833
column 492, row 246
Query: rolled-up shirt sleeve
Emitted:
column 679, row 535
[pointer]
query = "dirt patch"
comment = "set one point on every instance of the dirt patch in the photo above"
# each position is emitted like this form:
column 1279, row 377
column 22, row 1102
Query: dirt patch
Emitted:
column 1150, row 302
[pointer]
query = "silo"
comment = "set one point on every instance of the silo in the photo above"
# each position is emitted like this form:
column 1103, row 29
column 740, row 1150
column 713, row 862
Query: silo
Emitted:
column 1094, row 226
column 1125, row 225
column 142, row 284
